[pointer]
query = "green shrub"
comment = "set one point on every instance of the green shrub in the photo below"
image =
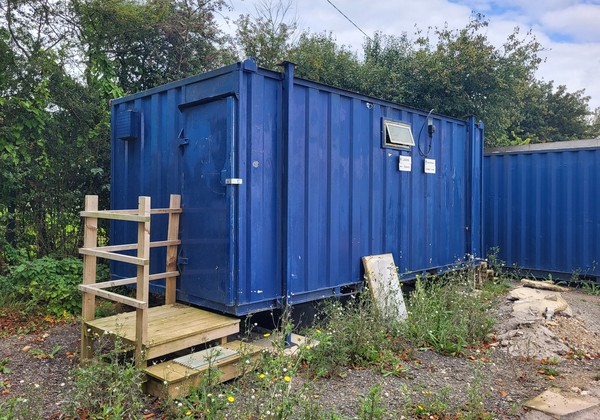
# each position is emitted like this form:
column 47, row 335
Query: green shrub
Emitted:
column 353, row 334
column 107, row 388
column 371, row 406
column 446, row 314
column 46, row 284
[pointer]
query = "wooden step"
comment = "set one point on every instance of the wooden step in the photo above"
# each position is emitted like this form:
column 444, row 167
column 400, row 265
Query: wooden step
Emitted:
column 170, row 328
column 176, row 377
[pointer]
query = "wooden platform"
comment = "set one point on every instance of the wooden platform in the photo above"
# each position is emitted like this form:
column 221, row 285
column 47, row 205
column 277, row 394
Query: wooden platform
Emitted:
column 170, row 328
column 175, row 379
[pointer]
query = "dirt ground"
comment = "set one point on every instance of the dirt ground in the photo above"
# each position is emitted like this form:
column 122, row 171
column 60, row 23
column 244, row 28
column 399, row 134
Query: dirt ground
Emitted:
column 40, row 365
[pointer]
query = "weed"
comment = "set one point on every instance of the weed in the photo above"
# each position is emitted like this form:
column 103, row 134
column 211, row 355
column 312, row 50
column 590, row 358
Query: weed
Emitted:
column 551, row 361
column 275, row 373
column 370, row 407
column 515, row 407
column 446, row 314
column 354, row 334
column 549, row 371
column 106, row 308
column 107, row 388
column 429, row 404
column 39, row 354
column 476, row 397
column 4, row 365
column 591, row 288
column 27, row 406
column 207, row 399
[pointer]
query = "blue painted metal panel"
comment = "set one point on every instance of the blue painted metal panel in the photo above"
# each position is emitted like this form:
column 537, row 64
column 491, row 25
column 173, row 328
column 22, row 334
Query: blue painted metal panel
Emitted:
column 542, row 207
column 318, row 189
column 347, row 198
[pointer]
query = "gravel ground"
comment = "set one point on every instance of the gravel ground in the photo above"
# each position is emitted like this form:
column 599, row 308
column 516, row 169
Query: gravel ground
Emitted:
column 40, row 364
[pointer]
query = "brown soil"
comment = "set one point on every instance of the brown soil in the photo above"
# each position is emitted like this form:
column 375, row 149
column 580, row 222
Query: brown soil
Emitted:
column 506, row 381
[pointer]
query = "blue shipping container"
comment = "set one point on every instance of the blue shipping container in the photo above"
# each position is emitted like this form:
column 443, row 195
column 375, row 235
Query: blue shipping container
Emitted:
column 287, row 183
column 542, row 207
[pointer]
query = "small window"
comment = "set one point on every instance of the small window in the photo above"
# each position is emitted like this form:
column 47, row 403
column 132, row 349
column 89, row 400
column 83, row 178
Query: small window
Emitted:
column 398, row 134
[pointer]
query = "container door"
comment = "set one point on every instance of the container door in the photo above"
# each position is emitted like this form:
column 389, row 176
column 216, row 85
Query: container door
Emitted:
column 208, row 225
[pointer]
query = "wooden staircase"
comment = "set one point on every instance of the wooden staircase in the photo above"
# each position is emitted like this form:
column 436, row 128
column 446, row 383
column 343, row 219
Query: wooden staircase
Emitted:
column 152, row 331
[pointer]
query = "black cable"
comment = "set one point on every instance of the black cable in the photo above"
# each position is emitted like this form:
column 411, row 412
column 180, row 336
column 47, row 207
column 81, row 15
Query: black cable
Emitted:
column 349, row 20
column 421, row 152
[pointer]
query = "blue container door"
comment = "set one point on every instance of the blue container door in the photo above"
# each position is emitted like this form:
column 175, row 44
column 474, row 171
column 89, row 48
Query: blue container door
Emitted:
column 208, row 223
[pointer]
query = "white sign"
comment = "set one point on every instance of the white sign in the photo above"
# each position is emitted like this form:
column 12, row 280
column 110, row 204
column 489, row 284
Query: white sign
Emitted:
column 429, row 166
column 405, row 164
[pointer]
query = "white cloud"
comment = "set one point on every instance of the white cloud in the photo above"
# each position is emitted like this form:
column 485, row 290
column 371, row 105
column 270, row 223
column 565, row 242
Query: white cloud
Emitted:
column 576, row 66
column 581, row 22
column 574, row 63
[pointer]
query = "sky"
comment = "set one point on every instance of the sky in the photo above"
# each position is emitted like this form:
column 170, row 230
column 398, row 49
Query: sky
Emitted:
column 569, row 30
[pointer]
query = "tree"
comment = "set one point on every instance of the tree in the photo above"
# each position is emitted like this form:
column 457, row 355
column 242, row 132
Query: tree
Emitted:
column 463, row 74
column 145, row 44
column 553, row 114
column 388, row 66
column 267, row 35
column 321, row 59
column 594, row 123
column 61, row 63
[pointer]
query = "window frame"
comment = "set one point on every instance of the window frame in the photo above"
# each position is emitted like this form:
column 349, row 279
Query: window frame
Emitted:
column 386, row 134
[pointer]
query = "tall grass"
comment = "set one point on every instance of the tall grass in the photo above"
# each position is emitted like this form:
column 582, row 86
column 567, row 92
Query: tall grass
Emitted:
column 447, row 315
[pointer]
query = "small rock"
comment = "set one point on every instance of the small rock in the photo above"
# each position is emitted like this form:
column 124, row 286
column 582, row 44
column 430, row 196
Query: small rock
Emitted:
column 576, row 390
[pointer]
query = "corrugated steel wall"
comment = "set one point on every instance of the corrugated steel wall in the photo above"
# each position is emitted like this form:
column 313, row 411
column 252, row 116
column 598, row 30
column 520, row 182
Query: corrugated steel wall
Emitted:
column 542, row 207
column 347, row 198
column 318, row 189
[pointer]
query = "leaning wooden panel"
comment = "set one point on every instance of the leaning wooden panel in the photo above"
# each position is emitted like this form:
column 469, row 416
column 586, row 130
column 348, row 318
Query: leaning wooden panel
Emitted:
column 382, row 276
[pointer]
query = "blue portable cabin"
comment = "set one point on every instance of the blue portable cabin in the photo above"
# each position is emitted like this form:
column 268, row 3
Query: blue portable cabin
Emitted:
column 287, row 183
column 542, row 207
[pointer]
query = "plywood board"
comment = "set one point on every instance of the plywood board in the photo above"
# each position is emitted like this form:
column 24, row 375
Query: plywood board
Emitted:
column 384, row 284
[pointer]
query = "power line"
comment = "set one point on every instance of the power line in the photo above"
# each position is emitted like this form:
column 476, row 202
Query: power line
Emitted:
column 349, row 20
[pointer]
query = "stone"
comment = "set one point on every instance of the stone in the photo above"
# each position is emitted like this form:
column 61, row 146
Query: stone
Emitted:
column 538, row 302
column 560, row 404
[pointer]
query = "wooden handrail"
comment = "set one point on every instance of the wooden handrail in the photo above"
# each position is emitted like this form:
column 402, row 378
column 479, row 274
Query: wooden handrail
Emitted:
column 124, row 214
column 131, row 247
column 91, row 251
column 131, row 280
column 114, row 256
column 138, row 304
